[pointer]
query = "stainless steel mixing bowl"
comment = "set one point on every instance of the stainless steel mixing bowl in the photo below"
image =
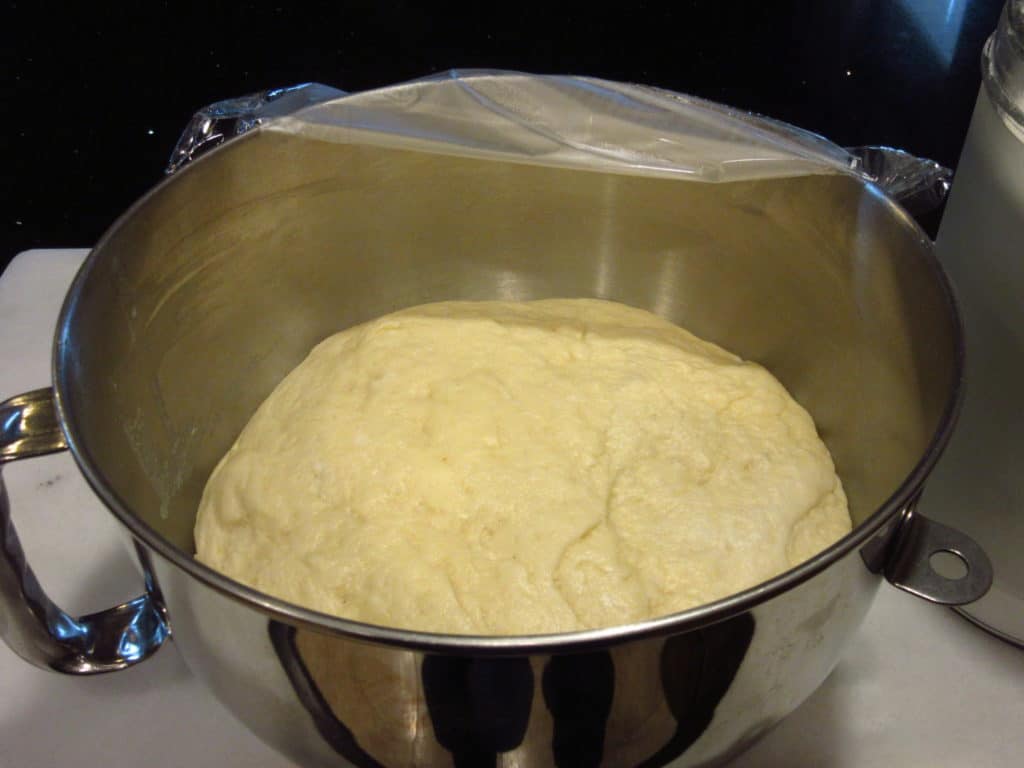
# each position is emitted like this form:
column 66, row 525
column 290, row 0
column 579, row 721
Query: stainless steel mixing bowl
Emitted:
column 213, row 286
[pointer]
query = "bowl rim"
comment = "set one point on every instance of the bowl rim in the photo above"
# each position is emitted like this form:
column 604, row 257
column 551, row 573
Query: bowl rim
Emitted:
column 690, row 619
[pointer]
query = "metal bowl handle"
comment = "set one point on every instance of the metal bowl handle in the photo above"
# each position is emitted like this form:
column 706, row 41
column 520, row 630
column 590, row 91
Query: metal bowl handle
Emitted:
column 30, row 623
column 910, row 563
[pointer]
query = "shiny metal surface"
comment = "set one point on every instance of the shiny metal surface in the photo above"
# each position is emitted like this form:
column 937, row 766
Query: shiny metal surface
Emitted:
column 212, row 287
column 29, row 426
column 696, row 698
column 190, row 312
column 30, row 623
column 910, row 564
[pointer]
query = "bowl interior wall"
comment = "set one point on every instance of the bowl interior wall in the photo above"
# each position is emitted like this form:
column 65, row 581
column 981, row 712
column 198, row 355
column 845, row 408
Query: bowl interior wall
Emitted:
column 220, row 282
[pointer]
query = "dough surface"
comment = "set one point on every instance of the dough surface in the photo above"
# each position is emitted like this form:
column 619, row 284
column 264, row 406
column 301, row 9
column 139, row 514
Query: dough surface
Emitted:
column 518, row 468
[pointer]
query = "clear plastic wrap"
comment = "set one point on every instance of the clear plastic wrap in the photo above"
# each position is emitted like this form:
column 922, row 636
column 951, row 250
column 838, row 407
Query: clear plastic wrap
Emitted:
column 918, row 184
column 567, row 121
column 212, row 125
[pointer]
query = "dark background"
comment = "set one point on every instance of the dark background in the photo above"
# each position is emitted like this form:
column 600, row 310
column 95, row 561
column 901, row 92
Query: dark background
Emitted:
column 94, row 98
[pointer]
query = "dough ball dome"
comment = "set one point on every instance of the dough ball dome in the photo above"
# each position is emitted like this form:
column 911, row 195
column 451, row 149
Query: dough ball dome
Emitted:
column 508, row 468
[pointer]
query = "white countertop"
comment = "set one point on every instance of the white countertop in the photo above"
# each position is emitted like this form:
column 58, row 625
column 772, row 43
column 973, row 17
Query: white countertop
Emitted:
column 918, row 686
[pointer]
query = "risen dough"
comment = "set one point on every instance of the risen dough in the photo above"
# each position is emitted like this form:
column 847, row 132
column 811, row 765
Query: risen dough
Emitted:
column 511, row 468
